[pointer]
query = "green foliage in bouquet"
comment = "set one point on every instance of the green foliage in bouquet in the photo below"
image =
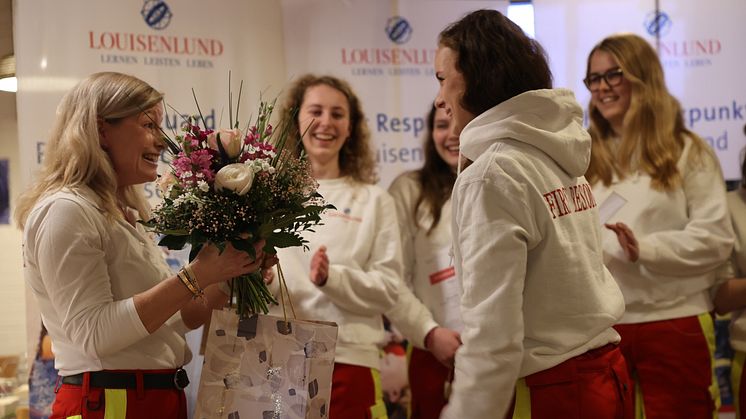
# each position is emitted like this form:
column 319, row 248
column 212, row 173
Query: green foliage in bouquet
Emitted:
column 237, row 186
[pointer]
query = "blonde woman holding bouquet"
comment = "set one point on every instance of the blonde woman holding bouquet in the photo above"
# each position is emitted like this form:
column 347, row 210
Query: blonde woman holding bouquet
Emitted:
column 351, row 274
column 664, row 247
column 115, row 313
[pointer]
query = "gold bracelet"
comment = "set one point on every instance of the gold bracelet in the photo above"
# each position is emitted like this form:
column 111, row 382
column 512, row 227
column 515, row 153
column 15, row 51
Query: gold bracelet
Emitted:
column 184, row 280
column 186, row 274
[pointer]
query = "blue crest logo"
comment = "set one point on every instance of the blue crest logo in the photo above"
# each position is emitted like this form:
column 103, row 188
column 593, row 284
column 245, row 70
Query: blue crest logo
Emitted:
column 658, row 23
column 398, row 29
column 156, row 14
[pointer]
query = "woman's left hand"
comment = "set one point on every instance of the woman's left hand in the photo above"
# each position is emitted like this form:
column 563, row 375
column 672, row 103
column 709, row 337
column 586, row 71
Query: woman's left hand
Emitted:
column 320, row 267
column 627, row 240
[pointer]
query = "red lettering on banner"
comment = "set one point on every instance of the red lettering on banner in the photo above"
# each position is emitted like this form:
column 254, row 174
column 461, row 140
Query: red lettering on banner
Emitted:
column 442, row 275
column 387, row 56
column 155, row 44
column 690, row 48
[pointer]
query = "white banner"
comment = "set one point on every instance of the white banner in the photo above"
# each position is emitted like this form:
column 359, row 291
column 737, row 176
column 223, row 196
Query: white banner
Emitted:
column 386, row 51
column 700, row 46
column 173, row 45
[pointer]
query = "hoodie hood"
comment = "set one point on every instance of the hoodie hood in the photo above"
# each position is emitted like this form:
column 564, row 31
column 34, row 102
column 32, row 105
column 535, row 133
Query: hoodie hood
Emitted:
column 548, row 119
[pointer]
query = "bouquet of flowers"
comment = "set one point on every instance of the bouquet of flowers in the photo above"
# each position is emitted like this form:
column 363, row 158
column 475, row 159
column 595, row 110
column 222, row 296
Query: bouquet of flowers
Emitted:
column 238, row 187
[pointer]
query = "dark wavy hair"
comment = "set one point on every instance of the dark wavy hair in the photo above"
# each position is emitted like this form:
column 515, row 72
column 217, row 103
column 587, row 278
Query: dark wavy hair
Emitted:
column 356, row 156
column 498, row 61
column 436, row 177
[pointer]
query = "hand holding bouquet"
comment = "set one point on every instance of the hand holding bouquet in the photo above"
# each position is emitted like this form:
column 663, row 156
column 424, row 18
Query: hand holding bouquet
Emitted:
column 238, row 187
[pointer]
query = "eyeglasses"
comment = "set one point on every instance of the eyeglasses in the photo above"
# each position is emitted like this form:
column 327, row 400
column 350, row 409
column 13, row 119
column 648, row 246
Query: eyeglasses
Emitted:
column 612, row 78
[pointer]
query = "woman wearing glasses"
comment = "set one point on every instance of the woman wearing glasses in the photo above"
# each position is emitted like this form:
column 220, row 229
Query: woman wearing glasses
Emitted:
column 666, row 243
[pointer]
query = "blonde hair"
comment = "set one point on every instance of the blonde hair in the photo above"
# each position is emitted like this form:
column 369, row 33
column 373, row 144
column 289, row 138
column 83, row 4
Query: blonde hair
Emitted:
column 654, row 130
column 73, row 155
column 355, row 157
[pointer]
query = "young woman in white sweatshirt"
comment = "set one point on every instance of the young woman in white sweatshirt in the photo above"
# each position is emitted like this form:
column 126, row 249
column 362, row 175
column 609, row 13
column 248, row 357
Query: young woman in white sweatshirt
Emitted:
column 351, row 275
column 665, row 245
column 429, row 316
column 538, row 305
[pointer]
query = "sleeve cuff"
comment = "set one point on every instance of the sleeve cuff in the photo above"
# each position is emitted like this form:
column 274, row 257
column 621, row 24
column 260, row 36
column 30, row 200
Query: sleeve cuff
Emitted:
column 647, row 253
column 176, row 322
column 427, row 327
column 332, row 280
column 137, row 324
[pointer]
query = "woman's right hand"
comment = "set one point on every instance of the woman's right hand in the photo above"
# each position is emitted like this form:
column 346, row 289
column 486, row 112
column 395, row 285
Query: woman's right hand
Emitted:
column 443, row 344
column 627, row 240
column 211, row 266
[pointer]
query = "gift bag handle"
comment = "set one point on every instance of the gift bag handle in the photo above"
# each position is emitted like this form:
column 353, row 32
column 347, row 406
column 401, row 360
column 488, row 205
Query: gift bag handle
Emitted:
column 283, row 292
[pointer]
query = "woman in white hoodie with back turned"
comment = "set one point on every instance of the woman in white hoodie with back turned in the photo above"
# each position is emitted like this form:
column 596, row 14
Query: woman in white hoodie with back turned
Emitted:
column 665, row 245
column 538, row 304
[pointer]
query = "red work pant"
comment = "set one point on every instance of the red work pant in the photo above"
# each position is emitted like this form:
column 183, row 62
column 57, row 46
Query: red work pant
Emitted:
column 594, row 385
column 671, row 363
column 84, row 402
column 427, row 381
column 356, row 393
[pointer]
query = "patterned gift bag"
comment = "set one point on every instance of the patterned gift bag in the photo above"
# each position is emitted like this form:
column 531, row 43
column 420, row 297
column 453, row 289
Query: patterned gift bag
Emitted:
column 266, row 367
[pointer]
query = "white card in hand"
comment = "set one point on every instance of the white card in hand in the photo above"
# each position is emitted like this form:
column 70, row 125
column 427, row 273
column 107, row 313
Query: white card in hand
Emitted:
column 610, row 206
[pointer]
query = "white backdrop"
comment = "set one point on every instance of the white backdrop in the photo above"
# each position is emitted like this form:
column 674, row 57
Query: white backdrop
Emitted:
column 385, row 49
column 701, row 48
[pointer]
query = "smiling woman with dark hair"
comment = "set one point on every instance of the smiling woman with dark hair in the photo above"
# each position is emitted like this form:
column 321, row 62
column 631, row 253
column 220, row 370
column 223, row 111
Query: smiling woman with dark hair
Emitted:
column 538, row 304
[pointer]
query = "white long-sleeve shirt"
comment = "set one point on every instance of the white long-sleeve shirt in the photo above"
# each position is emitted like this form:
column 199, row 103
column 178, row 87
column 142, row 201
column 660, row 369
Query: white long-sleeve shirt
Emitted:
column 527, row 250
column 83, row 269
column 428, row 271
column 364, row 250
column 684, row 236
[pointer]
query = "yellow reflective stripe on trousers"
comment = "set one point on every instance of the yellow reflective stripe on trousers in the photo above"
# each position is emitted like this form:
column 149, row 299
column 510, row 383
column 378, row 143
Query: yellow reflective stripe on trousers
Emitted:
column 115, row 404
column 378, row 410
column 736, row 372
column 639, row 404
column 75, row 417
column 708, row 329
column 522, row 408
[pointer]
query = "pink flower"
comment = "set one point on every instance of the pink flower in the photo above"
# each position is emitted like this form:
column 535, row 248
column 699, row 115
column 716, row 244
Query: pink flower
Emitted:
column 229, row 139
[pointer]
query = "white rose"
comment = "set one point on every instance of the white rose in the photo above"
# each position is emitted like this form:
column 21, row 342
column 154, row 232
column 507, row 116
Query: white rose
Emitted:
column 230, row 139
column 236, row 177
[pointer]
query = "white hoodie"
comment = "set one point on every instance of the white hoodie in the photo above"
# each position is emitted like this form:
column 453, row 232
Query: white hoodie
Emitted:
column 362, row 240
column 684, row 237
column 527, row 250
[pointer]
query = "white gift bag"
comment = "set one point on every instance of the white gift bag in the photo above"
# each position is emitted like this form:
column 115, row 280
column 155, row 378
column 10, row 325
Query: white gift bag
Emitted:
column 266, row 367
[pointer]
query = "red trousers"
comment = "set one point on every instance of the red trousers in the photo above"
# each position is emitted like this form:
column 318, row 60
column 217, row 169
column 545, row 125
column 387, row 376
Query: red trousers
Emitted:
column 356, row 393
column 671, row 362
column 85, row 402
column 594, row 385
column 427, row 380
